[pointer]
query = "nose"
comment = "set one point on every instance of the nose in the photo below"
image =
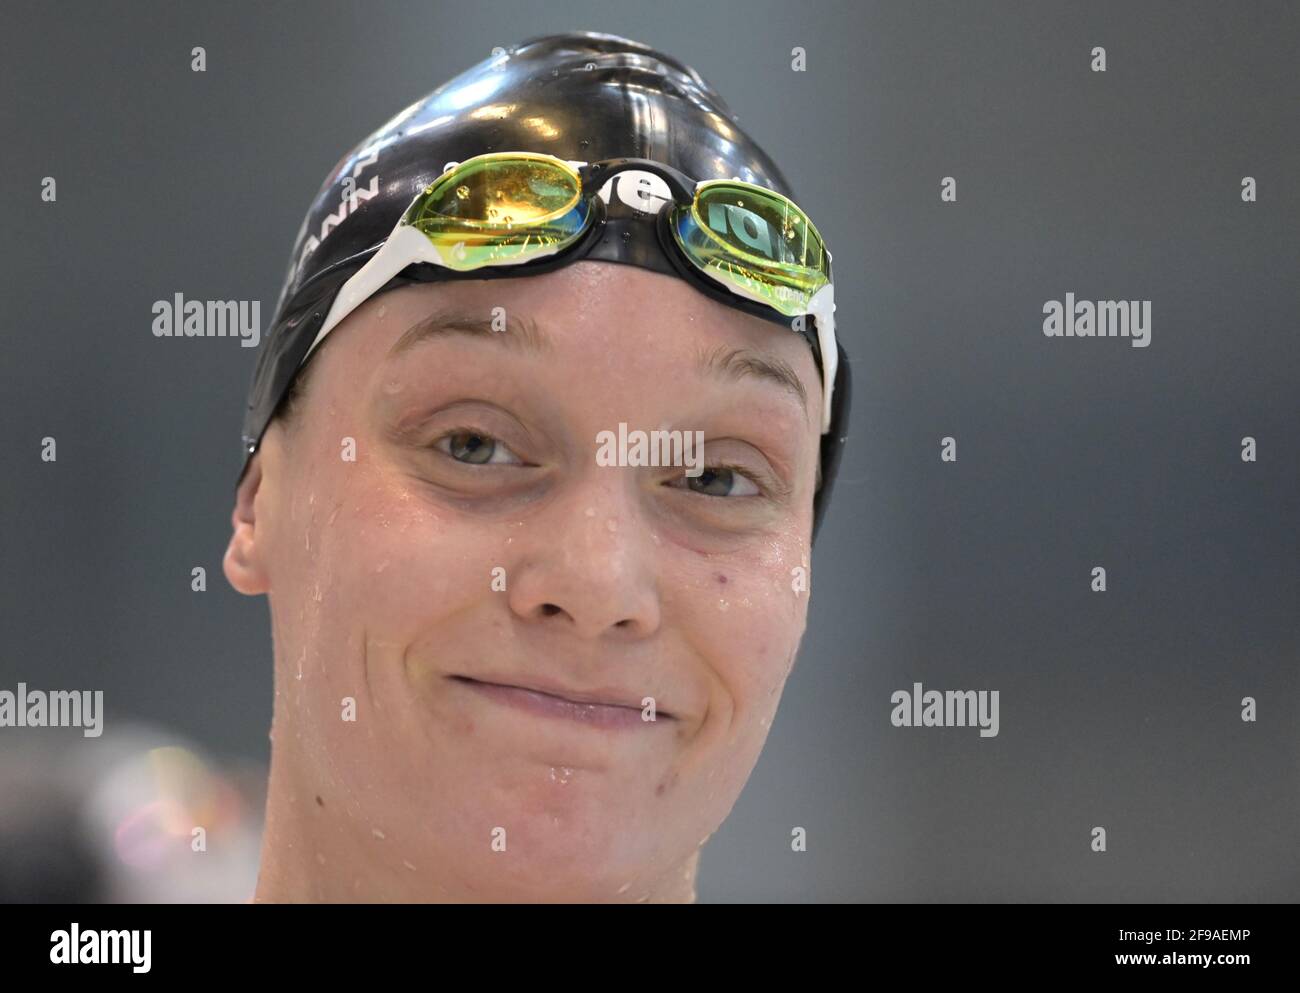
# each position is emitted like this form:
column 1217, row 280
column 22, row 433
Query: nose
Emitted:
column 589, row 563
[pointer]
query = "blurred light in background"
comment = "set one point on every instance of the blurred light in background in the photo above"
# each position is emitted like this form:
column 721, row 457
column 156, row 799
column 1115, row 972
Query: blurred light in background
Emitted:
column 141, row 818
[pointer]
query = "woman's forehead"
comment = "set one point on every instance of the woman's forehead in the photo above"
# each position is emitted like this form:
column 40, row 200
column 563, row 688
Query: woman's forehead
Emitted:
column 603, row 310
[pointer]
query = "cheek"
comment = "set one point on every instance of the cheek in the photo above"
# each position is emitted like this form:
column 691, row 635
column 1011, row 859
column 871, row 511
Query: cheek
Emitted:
column 366, row 564
column 376, row 570
column 749, row 613
column 395, row 565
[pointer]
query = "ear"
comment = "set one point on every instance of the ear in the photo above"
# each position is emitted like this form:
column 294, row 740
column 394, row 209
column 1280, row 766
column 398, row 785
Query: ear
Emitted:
column 243, row 560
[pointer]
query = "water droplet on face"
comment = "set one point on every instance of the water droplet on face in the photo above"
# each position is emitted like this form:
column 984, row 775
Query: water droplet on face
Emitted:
column 590, row 511
column 723, row 605
column 383, row 309
column 408, row 865
column 377, row 833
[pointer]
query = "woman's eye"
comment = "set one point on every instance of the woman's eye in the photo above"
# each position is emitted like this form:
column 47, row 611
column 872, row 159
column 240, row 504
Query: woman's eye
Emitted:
column 722, row 481
column 476, row 448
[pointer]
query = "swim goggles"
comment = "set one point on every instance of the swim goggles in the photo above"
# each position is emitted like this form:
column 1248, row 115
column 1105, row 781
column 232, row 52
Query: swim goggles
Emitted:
column 532, row 209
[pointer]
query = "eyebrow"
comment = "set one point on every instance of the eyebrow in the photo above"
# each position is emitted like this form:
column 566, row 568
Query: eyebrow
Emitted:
column 738, row 363
column 522, row 334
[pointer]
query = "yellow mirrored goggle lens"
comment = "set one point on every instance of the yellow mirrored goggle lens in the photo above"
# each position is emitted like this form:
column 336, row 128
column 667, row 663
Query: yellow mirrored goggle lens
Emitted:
column 756, row 240
column 503, row 208
column 499, row 209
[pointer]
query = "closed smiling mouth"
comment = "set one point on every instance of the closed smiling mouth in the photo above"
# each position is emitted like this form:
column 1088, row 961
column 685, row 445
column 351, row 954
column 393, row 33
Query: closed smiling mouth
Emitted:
column 601, row 707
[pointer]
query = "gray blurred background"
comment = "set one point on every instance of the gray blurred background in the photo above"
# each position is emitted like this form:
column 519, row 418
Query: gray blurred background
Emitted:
column 1119, row 709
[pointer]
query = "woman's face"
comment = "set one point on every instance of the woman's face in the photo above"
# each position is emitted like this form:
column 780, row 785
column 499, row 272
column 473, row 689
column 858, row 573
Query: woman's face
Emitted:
column 434, row 527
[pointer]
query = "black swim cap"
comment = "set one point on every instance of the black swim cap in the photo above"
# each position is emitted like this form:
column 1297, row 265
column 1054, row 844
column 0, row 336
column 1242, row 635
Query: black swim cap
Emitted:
column 581, row 96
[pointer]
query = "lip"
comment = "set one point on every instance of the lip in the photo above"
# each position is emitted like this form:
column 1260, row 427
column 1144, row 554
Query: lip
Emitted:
column 596, row 709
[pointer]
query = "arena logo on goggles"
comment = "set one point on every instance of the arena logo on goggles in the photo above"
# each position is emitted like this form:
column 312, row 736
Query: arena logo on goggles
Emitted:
column 748, row 227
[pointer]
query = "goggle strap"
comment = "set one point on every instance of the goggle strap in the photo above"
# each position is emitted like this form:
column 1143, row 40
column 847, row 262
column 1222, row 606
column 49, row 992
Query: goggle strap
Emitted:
column 822, row 309
column 403, row 247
